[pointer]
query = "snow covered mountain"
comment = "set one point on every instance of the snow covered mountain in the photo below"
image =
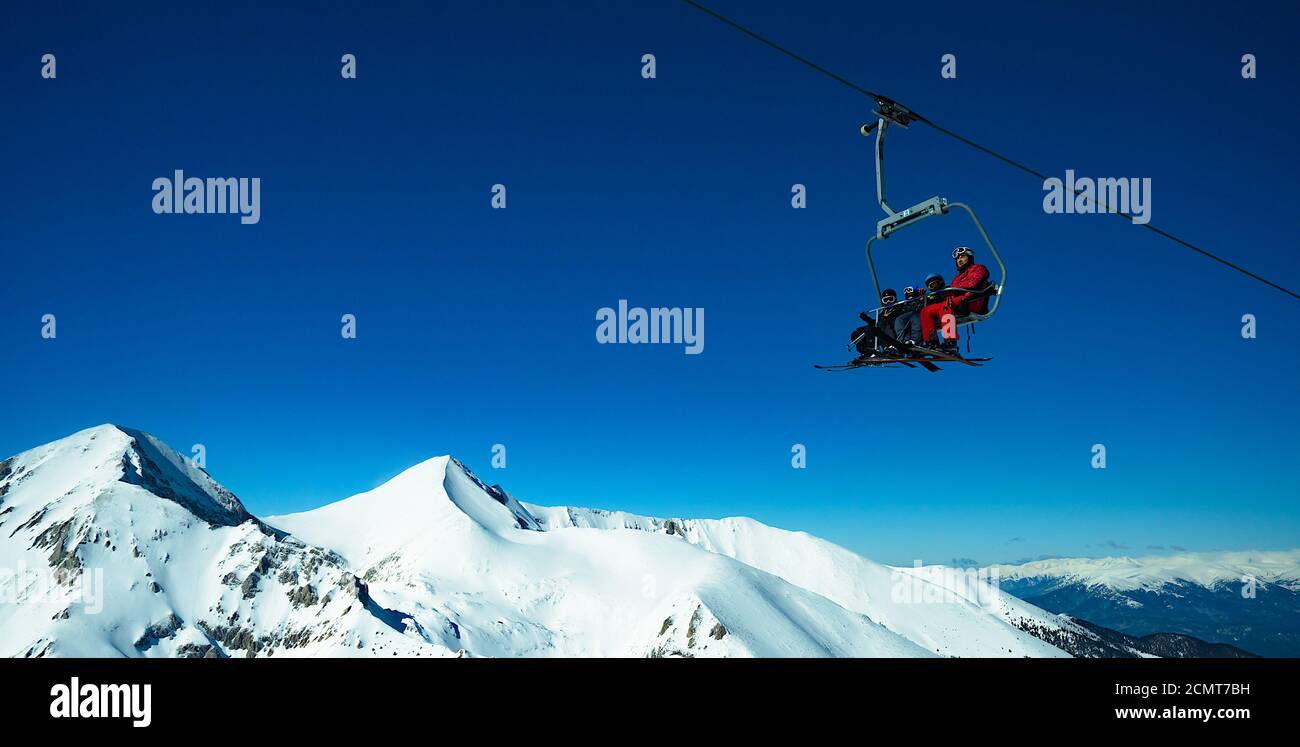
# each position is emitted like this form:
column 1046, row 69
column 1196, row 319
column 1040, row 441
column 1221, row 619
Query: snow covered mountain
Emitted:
column 113, row 544
column 474, row 570
column 1157, row 572
column 1248, row 599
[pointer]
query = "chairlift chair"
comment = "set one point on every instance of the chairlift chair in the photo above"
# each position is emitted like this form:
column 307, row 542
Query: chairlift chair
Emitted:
column 891, row 112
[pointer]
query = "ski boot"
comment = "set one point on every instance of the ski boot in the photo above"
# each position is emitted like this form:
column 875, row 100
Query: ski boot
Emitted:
column 867, row 358
column 931, row 347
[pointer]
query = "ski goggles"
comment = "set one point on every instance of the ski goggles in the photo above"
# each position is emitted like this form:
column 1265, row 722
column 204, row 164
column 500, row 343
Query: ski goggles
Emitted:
column 910, row 291
column 962, row 250
column 888, row 299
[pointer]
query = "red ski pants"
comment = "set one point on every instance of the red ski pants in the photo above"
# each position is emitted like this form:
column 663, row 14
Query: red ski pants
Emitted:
column 932, row 320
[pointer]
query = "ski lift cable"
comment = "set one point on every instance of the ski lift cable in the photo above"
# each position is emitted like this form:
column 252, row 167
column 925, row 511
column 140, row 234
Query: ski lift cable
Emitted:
column 886, row 101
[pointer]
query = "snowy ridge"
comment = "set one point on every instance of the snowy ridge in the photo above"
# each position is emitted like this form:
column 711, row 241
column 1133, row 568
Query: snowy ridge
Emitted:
column 943, row 611
column 1153, row 573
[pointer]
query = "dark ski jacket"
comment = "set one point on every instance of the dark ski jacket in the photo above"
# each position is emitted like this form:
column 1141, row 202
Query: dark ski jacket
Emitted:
column 975, row 277
column 885, row 318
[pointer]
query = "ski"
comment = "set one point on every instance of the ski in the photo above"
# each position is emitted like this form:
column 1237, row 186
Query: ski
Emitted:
column 874, row 363
column 908, row 362
column 879, row 362
column 915, row 355
column 850, row 368
column 942, row 357
column 837, row 366
column 930, row 354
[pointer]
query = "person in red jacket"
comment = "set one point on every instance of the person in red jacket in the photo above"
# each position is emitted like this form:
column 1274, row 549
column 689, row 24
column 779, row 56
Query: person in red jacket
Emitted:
column 967, row 296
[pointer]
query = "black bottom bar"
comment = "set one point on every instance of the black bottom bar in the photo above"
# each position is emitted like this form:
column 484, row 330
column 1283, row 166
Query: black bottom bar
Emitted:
column 319, row 696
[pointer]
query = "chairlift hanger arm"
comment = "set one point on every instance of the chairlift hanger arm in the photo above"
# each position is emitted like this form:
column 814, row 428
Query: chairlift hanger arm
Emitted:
column 881, row 125
column 888, row 111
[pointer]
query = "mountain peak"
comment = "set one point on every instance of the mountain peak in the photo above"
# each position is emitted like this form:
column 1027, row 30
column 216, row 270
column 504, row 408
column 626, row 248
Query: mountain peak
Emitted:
column 433, row 503
column 90, row 462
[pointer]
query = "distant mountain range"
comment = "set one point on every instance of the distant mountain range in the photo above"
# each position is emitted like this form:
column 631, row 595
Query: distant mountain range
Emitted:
column 1247, row 599
column 114, row 544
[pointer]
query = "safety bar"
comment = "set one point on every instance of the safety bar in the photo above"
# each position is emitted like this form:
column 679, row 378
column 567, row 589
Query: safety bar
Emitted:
column 989, row 290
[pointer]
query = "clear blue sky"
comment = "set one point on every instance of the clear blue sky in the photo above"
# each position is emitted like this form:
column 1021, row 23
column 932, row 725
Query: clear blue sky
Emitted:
column 476, row 326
